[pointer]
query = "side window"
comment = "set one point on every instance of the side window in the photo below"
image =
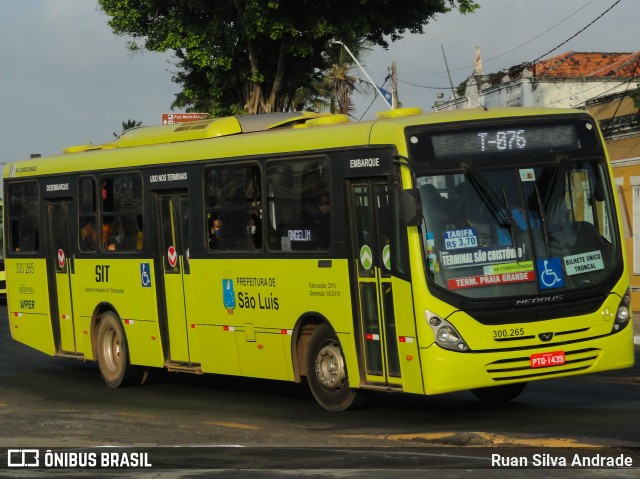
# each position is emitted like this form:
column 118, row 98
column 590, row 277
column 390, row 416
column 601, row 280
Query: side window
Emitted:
column 121, row 219
column 299, row 204
column 88, row 216
column 233, row 208
column 1, row 233
column 24, row 217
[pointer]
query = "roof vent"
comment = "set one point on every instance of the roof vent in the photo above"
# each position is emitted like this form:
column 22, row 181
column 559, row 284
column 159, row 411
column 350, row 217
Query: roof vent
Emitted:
column 328, row 120
column 414, row 110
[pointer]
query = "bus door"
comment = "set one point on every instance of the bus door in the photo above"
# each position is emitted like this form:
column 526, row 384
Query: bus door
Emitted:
column 371, row 227
column 173, row 224
column 61, row 267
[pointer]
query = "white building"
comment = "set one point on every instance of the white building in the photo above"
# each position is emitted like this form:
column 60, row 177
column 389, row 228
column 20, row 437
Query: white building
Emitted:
column 564, row 81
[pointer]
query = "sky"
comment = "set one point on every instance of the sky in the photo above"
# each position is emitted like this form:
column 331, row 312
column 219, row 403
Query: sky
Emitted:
column 66, row 79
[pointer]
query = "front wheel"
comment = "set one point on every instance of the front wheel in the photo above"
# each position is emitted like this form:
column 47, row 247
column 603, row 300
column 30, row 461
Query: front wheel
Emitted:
column 499, row 394
column 113, row 354
column 327, row 371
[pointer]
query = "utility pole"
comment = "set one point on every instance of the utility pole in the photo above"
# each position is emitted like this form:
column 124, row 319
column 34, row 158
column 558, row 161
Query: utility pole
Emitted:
column 453, row 91
column 394, row 82
column 363, row 71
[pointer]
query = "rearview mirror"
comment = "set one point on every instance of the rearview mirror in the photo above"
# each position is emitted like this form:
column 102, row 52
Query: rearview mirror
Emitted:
column 410, row 207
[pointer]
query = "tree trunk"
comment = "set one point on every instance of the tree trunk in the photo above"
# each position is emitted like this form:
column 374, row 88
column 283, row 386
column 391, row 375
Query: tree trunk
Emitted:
column 255, row 101
column 275, row 98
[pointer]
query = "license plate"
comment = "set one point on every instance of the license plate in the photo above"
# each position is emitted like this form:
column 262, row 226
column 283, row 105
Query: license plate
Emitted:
column 543, row 360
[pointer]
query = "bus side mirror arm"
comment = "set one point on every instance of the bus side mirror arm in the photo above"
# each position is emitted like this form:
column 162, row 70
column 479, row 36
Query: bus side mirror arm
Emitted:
column 410, row 207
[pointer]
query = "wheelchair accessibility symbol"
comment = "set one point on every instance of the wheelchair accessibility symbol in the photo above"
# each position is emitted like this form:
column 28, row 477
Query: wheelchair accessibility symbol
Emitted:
column 145, row 275
column 550, row 273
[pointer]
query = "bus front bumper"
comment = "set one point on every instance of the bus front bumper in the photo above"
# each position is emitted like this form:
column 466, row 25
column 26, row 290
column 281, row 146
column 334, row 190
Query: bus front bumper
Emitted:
column 449, row 371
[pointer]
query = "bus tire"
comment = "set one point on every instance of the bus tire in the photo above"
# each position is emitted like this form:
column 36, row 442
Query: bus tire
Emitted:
column 327, row 371
column 499, row 394
column 113, row 354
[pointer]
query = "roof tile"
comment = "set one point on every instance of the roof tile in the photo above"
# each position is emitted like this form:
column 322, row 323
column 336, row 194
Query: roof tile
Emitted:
column 589, row 64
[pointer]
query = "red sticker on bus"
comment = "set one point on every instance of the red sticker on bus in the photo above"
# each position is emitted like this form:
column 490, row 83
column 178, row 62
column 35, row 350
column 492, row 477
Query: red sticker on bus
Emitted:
column 172, row 256
column 61, row 258
column 491, row 279
column 544, row 360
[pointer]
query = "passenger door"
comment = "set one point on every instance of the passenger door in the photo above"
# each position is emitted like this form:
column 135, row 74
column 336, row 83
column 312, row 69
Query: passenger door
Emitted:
column 61, row 267
column 173, row 233
column 371, row 217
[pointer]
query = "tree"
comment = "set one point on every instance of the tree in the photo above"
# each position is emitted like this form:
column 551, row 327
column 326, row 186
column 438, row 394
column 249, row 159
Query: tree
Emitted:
column 256, row 54
column 338, row 83
column 127, row 125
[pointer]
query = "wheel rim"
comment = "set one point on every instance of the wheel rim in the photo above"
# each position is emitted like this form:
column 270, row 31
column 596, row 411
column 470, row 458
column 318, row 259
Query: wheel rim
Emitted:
column 330, row 369
column 111, row 350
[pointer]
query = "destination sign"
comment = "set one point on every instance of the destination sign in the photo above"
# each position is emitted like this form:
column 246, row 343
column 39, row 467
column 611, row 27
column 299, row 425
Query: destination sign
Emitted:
column 504, row 140
column 522, row 136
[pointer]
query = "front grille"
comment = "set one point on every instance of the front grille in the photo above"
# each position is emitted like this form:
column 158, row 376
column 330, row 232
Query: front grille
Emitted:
column 519, row 368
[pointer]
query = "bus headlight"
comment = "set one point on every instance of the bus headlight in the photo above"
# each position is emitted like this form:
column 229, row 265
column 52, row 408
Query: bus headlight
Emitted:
column 623, row 315
column 446, row 334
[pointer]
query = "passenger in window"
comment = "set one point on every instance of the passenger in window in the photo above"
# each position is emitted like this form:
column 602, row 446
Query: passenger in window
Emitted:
column 119, row 234
column 88, row 236
column 317, row 209
column 107, row 230
column 111, row 244
column 317, row 217
column 324, row 207
column 215, row 233
column 254, row 231
column 113, row 235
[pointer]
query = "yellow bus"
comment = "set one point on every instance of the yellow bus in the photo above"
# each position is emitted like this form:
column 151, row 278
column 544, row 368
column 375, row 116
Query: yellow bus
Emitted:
column 3, row 281
column 417, row 253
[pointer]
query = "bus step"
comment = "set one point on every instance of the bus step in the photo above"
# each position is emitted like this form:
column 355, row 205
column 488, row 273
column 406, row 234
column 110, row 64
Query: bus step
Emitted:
column 184, row 368
column 381, row 387
column 70, row 355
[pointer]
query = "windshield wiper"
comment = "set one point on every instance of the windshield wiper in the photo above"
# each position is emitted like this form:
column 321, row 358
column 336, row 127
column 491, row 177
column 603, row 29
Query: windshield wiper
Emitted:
column 544, row 219
column 554, row 194
column 511, row 221
column 500, row 212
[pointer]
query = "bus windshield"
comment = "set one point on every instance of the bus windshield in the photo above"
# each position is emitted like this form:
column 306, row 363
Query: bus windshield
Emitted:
column 496, row 232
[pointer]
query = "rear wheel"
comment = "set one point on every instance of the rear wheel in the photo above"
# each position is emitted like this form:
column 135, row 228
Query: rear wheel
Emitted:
column 327, row 371
column 113, row 354
column 498, row 394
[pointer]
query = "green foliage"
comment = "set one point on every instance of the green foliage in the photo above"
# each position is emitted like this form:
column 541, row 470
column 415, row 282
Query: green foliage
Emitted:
column 258, row 55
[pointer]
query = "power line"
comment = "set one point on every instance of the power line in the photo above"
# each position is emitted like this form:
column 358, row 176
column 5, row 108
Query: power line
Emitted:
column 424, row 86
column 615, row 112
column 538, row 36
column 508, row 51
column 629, row 81
column 578, row 33
column 372, row 101
column 541, row 56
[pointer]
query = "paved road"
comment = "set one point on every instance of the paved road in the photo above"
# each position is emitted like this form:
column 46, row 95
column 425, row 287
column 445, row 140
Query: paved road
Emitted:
column 216, row 424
